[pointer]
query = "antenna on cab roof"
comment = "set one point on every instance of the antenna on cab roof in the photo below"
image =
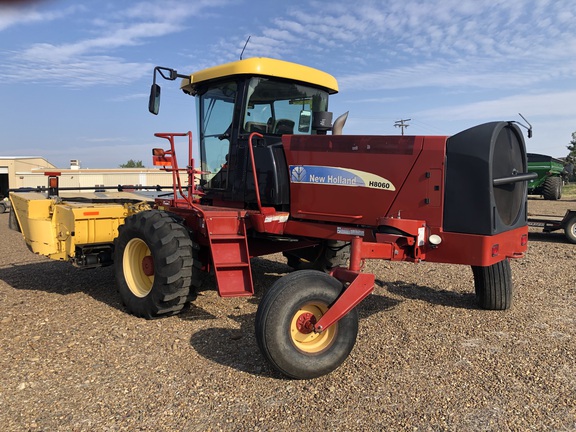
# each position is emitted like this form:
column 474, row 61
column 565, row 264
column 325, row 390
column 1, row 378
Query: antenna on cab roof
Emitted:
column 242, row 53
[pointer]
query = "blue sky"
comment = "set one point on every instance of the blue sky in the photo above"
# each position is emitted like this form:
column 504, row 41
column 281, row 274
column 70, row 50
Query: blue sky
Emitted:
column 75, row 75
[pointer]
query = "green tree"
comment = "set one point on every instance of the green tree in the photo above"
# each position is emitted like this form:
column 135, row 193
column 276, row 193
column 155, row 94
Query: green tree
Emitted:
column 132, row 164
column 572, row 146
column 570, row 159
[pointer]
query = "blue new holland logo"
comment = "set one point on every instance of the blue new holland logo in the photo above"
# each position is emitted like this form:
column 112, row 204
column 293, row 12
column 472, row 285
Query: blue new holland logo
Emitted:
column 336, row 176
column 298, row 174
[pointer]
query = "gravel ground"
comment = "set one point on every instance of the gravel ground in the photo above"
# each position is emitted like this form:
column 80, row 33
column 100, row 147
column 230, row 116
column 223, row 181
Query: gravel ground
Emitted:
column 426, row 357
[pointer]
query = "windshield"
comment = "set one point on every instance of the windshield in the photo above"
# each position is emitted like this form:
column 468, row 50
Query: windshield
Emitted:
column 277, row 107
column 216, row 108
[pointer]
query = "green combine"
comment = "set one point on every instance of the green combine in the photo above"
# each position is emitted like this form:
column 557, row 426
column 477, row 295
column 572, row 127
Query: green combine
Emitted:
column 549, row 181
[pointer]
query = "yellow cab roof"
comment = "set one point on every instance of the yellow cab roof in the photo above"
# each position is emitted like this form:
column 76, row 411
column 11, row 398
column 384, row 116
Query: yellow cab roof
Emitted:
column 263, row 66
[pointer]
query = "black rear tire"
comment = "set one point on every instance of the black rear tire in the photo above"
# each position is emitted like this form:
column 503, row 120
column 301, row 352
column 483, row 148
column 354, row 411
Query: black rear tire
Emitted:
column 493, row 285
column 156, row 264
column 2, row 207
column 552, row 188
column 13, row 222
column 281, row 337
column 324, row 257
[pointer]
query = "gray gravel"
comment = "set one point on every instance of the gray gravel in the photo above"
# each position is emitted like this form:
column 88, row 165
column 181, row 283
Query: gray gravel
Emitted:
column 426, row 358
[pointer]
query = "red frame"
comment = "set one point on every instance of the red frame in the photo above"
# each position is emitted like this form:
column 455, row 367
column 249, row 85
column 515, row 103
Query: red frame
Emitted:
column 416, row 214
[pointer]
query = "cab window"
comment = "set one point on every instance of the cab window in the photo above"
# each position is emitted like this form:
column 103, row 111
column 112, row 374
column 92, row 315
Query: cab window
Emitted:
column 276, row 107
column 216, row 108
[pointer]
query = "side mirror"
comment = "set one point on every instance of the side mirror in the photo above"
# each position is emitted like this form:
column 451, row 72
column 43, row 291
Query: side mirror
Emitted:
column 154, row 101
column 304, row 121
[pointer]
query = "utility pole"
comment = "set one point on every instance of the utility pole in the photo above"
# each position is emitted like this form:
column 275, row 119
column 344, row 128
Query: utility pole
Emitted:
column 402, row 124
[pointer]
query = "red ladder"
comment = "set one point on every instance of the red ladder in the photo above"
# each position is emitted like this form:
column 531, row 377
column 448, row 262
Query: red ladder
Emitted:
column 230, row 257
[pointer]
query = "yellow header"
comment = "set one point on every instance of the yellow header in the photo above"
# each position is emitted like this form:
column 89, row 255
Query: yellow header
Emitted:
column 264, row 67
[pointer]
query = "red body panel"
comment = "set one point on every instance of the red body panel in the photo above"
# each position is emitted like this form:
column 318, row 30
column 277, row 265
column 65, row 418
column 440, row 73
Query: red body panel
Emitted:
column 360, row 179
column 383, row 194
column 455, row 248
column 477, row 250
column 331, row 197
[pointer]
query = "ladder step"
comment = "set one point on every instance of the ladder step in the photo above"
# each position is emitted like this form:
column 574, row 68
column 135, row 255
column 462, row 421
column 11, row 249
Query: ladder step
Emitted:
column 232, row 265
column 239, row 293
column 218, row 237
column 230, row 254
column 234, row 281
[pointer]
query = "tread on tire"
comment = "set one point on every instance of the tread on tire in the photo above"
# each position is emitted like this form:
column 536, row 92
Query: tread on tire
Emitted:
column 155, row 238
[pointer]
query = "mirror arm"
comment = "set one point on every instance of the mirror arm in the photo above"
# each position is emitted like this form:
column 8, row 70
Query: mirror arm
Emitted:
column 167, row 74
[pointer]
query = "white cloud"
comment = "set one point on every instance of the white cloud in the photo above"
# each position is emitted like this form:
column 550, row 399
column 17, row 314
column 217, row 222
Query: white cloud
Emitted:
column 127, row 36
column 76, row 72
column 87, row 61
column 11, row 16
column 557, row 104
column 406, row 44
column 170, row 10
column 450, row 30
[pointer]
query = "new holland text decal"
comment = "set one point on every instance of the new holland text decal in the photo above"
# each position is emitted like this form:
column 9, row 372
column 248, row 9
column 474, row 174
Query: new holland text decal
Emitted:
column 336, row 176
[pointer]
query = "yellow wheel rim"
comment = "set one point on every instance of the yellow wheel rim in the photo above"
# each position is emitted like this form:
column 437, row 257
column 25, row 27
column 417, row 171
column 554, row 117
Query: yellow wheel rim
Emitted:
column 301, row 333
column 138, row 277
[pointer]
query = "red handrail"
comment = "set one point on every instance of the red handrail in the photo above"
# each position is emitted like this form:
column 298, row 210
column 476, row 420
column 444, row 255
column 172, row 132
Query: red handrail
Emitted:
column 176, row 183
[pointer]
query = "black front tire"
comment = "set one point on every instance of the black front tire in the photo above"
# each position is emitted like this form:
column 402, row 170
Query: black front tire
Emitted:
column 290, row 348
column 2, row 207
column 155, row 264
column 493, row 285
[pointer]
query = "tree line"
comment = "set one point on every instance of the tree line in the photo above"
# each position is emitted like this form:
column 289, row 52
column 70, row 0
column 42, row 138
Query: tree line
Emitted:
column 570, row 159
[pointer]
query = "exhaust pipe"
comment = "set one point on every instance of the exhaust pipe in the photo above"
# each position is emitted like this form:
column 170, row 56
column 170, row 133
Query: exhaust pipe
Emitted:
column 339, row 124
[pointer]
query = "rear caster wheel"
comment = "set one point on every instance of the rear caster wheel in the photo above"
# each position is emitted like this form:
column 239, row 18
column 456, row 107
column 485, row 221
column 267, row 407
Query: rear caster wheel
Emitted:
column 493, row 285
column 285, row 319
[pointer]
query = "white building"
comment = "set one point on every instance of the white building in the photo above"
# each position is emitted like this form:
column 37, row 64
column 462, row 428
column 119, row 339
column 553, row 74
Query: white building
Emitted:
column 30, row 172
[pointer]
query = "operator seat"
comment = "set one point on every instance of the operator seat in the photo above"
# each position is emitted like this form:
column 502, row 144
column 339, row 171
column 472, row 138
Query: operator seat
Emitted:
column 255, row 127
column 284, row 127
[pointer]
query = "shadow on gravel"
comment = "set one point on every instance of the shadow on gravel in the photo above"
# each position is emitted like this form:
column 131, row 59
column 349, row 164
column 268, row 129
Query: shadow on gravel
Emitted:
column 375, row 303
column 432, row 296
column 62, row 278
column 264, row 274
column 237, row 348
column 553, row 237
column 233, row 348
column 191, row 312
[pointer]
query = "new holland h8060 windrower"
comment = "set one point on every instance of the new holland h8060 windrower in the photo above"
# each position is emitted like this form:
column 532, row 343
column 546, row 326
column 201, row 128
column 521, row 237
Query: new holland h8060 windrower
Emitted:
column 272, row 179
